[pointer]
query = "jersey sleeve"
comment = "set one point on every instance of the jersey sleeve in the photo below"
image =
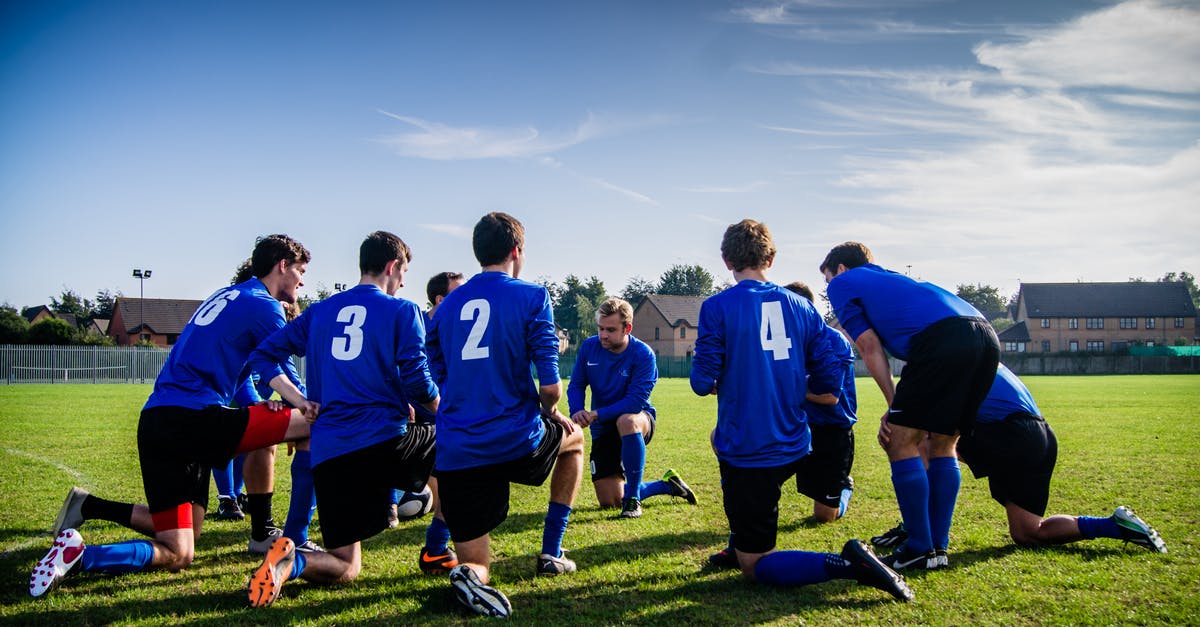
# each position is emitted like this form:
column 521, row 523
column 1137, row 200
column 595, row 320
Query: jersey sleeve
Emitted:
column 643, row 373
column 822, row 364
column 848, row 310
column 709, row 356
column 542, row 342
column 411, row 360
column 272, row 353
column 247, row 393
column 577, row 386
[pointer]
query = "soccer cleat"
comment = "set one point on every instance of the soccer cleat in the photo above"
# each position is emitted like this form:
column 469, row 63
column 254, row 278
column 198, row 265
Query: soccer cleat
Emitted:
column 1135, row 530
column 243, row 501
column 550, row 565
column 869, row 570
column 482, row 599
column 725, row 558
column 941, row 559
column 260, row 547
column 891, row 538
column 70, row 515
column 308, row 546
column 630, row 508
column 678, row 487
column 437, row 564
column 64, row 554
column 393, row 516
column 267, row 582
column 903, row 560
column 227, row 509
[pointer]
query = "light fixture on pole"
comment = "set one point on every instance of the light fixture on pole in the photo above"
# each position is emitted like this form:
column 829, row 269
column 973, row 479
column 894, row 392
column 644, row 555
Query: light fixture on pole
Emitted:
column 339, row 286
column 141, row 276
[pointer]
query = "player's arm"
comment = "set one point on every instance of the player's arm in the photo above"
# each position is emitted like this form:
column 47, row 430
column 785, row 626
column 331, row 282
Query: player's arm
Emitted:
column 272, row 353
column 709, row 352
column 821, row 399
column 876, row 360
column 411, row 360
column 577, row 391
column 543, row 345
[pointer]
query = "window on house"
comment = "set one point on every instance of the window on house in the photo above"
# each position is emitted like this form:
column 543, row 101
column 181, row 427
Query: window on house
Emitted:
column 683, row 333
column 1149, row 342
column 1095, row 345
column 1128, row 323
column 1045, row 323
column 1045, row 346
column 1073, row 323
column 1179, row 323
column 1150, row 322
column 1095, row 323
column 1010, row 347
column 1073, row 346
column 657, row 333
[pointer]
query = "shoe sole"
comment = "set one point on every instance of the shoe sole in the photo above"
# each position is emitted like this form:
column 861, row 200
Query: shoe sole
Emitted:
column 58, row 561
column 73, row 501
column 549, row 568
column 1143, row 534
column 439, row 565
column 879, row 575
column 481, row 599
column 267, row 582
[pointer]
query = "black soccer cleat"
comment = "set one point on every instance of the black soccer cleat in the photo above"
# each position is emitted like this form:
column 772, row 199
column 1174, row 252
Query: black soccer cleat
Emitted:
column 891, row 538
column 869, row 570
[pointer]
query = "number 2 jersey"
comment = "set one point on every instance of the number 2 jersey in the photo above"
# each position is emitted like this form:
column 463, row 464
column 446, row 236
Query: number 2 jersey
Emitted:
column 365, row 363
column 763, row 347
column 485, row 339
column 206, row 364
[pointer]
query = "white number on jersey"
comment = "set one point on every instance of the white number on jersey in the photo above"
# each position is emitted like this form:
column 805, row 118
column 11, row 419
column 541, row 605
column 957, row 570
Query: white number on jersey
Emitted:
column 480, row 311
column 349, row 347
column 772, row 331
column 212, row 307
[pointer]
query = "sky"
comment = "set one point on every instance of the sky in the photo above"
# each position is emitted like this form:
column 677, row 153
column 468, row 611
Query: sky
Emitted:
column 964, row 142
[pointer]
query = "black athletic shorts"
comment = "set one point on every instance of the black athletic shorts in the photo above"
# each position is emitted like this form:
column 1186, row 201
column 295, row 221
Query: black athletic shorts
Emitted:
column 606, row 450
column 475, row 500
column 950, row 369
column 825, row 472
column 177, row 447
column 355, row 489
column 751, row 499
column 1017, row 455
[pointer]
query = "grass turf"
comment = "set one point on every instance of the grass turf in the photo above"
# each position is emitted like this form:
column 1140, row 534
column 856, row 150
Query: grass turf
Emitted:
column 1123, row 440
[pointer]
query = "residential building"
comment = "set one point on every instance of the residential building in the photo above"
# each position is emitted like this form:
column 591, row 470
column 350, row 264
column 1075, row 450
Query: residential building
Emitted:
column 668, row 323
column 157, row 320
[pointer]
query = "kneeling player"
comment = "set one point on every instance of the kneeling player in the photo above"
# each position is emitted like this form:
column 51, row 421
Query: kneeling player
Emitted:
column 1016, row 449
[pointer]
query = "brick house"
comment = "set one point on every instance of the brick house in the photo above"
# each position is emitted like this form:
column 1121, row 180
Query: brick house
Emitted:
column 1099, row 317
column 34, row 315
column 668, row 323
column 159, row 320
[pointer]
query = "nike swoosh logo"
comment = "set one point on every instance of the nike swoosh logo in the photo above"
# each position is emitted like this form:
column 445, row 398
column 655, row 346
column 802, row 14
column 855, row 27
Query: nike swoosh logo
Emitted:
column 895, row 411
column 833, row 498
column 593, row 363
column 429, row 559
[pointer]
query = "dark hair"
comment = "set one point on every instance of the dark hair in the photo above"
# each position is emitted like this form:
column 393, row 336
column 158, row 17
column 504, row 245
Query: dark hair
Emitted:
column 242, row 274
column 747, row 244
column 495, row 236
column 849, row 254
column 801, row 288
column 439, row 284
column 271, row 249
column 379, row 249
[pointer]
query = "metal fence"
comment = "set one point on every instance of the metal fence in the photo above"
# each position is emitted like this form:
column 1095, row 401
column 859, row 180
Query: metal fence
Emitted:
column 80, row 364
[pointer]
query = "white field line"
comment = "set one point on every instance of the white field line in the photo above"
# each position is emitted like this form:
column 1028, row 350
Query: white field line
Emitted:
column 9, row 549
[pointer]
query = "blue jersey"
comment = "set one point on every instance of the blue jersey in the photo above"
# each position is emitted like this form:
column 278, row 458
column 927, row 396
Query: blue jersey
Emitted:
column 762, row 347
column 484, row 338
column 365, row 364
column 206, row 364
column 621, row 382
column 843, row 414
column 1007, row 396
column 255, row 389
column 895, row 306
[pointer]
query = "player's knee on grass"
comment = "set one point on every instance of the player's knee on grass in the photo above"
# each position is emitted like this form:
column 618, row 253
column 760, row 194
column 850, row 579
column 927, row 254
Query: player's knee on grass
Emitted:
column 609, row 491
column 824, row 514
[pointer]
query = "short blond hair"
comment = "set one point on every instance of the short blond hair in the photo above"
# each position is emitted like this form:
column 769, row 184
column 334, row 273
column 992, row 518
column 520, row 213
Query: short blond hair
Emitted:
column 617, row 306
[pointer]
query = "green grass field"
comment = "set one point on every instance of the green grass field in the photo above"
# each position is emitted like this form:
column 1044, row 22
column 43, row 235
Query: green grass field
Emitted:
column 1123, row 440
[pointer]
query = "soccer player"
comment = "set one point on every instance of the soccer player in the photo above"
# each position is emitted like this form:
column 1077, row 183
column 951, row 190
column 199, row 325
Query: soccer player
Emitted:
column 366, row 363
column 494, row 425
column 1014, row 447
column 186, row 427
column 951, row 354
column 622, row 371
column 760, row 348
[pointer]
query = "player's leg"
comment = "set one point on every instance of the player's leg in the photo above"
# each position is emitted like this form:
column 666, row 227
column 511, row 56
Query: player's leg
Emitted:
column 475, row 501
column 436, row 556
column 608, row 475
column 264, row 429
column 302, row 502
column 911, row 483
column 567, row 458
column 632, row 429
column 945, row 480
column 824, row 474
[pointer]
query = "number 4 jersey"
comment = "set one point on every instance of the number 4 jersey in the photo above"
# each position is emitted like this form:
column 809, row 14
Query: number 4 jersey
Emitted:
column 365, row 363
column 486, row 338
column 204, row 365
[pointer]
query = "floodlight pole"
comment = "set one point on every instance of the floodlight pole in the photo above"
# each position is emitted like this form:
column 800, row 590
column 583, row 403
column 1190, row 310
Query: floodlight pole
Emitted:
column 141, row 276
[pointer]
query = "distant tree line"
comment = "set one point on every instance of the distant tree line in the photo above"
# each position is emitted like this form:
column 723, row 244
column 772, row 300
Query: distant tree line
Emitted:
column 15, row 329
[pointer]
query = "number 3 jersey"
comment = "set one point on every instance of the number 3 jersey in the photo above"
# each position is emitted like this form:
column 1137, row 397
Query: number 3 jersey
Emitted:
column 365, row 362
column 762, row 347
column 485, row 340
column 205, row 364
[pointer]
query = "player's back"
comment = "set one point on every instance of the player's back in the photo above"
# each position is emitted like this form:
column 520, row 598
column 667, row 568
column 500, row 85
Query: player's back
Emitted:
column 1008, row 395
column 486, row 337
column 844, row 413
column 204, row 365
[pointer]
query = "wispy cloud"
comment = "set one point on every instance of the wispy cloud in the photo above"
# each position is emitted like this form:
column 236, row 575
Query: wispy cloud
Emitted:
column 453, row 230
column 553, row 163
column 729, row 189
column 441, row 142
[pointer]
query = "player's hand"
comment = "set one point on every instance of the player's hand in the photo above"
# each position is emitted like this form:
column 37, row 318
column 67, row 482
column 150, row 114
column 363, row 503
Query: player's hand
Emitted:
column 309, row 410
column 291, row 448
column 885, row 431
column 412, row 413
column 274, row 406
column 582, row 418
column 557, row 416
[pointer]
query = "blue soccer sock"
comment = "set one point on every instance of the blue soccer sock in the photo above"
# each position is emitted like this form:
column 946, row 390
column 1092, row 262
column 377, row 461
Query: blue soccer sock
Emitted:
column 555, row 528
column 633, row 458
column 1091, row 527
column 124, row 557
column 298, row 565
column 395, row 498
column 792, row 568
column 654, row 488
column 303, row 499
column 437, row 537
column 945, row 478
column 912, row 495
column 844, row 501
column 239, row 481
column 223, row 478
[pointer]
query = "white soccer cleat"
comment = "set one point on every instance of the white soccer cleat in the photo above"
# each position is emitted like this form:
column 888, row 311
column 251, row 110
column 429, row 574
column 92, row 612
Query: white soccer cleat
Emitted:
column 51, row 569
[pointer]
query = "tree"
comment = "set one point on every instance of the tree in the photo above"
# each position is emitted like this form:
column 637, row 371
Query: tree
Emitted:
column 105, row 305
column 575, row 310
column 52, row 331
column 13, row 327
column 1187, row 279
column 302, row 302
column 985, row 298
column 71, row 303
column 636, row 290
column 684, row 280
